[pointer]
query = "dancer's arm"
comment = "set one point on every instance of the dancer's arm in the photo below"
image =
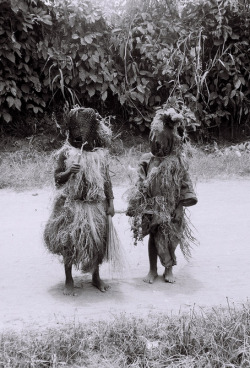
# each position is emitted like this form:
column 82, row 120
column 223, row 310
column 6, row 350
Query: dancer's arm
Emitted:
column 188, row 196
column 108, row 190
column 62, row 174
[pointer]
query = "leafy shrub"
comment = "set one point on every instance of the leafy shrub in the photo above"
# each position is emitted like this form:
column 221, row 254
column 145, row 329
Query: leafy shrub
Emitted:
column 128, row 62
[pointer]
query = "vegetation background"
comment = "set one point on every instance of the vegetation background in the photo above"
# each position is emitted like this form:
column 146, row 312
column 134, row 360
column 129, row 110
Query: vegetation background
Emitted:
column 125, row 59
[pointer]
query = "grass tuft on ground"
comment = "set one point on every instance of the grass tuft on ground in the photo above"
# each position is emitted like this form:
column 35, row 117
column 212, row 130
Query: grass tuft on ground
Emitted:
column 215, row 338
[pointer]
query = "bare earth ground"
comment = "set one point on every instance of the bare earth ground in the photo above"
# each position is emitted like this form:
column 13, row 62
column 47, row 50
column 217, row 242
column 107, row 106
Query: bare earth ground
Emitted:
column 31, row 279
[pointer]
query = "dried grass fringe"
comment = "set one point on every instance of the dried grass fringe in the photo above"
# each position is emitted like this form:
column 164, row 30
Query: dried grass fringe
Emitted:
column 114, row 251
column 89, row 181
column 168, row 176
column 78, row 232
column 77, row 229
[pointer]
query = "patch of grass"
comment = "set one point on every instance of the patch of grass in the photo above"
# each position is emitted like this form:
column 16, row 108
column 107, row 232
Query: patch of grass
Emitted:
column 24, row 169
column 216, row 338
column 206, row 166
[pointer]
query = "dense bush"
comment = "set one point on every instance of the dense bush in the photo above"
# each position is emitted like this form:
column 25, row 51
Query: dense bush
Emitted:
column 127, row 61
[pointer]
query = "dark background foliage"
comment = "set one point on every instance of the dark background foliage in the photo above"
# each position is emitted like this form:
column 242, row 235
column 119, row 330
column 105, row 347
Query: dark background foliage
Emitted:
column 126, row 62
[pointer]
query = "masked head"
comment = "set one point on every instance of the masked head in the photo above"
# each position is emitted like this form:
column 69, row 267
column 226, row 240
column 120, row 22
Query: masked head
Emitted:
column 83, row 125
column 164, row 138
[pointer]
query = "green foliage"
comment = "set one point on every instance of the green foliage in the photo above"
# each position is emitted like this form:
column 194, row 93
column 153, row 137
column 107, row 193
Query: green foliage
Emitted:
column 219, row 52
column 143, row 44
column 78, row 65
column 127, row 60
column 22, row 26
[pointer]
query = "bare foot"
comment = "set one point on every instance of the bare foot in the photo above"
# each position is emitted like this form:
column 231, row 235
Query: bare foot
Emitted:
column 151, row 276
column 168, row 275
column 69, row 289
column 101, row 285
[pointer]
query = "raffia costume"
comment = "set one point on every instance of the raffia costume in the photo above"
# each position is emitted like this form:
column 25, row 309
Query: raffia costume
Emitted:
column 77, row 227
column 163, row 185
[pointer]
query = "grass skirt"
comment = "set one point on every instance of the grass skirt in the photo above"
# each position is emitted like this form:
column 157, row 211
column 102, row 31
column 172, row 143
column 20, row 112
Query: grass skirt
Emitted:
column 77, row 230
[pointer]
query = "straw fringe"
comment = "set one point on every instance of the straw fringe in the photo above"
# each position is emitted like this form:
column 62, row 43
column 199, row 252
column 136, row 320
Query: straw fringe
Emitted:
column 160, row 209
column 114, row 251
column 78, row 228
column 88, row 183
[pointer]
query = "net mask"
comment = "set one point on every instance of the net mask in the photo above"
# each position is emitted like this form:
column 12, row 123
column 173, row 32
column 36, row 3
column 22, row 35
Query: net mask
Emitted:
column 82, row 125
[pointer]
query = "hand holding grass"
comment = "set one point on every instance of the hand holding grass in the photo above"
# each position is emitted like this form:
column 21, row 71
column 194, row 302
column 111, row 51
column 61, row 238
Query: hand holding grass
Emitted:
column 110, row 208
column 73, row 169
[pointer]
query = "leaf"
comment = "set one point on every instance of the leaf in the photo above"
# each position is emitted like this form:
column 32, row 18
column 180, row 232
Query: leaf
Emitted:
column 10, row 101
column 84, row 57
column 11, row 57
column 82, row 75
column 237, row 84
column 7, row 117
column 226, row 100
column 17, row 103
column 242, row 80
column 93, row 77
column 235, row 36
column 95, row 57
column 233, row 93
column 88, row 39
column 140, row 97
column 141, row 88
column 75, row 36
column 138, row 119
column 47, row 20
column 13, row 91
column 104, row 95
column 91, row 91
column 122, row 99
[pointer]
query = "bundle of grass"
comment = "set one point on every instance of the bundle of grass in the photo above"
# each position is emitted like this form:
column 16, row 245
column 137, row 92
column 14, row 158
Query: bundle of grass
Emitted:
column 114, row 251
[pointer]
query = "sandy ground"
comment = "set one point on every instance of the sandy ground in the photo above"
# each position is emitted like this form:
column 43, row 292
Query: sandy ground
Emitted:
column 32, row 280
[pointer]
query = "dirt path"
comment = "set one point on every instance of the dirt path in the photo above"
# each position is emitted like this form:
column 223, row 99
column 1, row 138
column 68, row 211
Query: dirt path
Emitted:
column 31, row 280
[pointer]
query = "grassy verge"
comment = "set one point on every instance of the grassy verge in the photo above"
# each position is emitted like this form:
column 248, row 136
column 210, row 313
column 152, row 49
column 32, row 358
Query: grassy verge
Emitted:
column 29, row 168
column 206, row 166
column 218, row 338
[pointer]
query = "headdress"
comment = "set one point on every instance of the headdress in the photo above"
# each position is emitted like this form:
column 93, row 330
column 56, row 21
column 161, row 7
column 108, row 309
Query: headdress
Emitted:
column 88, row 127
column 163, row 136
column 165, row 119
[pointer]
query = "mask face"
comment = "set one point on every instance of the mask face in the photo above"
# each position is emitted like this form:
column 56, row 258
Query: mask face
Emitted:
column 162, row 142
column 82, row 128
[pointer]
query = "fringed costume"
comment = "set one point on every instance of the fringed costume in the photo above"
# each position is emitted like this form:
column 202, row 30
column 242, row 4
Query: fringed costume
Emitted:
column 163, row 188
column 78, row 226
